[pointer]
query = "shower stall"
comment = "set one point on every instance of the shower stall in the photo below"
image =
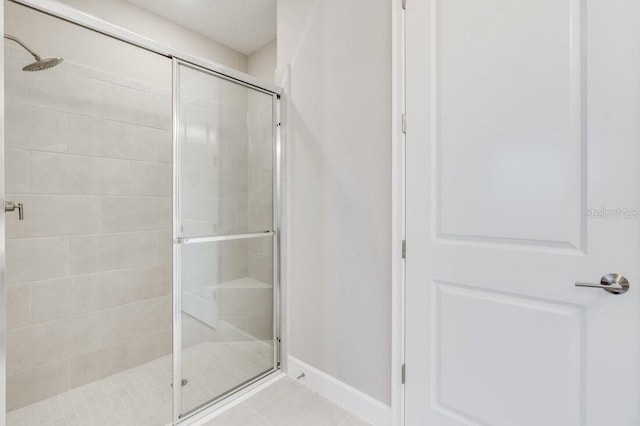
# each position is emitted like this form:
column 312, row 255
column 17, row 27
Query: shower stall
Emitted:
column 142, row 225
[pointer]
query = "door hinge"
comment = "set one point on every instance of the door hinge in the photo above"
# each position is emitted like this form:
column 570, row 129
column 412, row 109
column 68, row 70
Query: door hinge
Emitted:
column 404, row 123
column 404, row 249
column 404, row 4
column 404, row 373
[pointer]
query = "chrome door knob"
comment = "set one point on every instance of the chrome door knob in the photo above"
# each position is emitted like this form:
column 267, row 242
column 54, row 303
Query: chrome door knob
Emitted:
column 612, row 283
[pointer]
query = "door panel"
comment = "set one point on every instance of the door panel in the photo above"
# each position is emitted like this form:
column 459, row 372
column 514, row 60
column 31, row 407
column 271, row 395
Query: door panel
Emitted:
column 529, row 82
column 485, row 338
column 227, row 316
column 225, row 237
column 522, row 146
column 225, row 156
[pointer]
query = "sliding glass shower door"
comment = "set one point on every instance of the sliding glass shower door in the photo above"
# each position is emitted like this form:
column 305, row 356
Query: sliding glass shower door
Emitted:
column 225, row 236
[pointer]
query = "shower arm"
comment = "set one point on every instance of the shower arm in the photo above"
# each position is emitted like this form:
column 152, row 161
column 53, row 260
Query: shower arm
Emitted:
column 17, row 40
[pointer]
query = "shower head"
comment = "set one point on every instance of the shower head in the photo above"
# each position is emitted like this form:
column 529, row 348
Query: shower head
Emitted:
column 40, row 64
column 43, row 64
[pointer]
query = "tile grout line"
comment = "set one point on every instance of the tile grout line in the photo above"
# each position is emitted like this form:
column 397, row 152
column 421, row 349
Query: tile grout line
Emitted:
column 257, row 412
column 144, row 231
column 85, row 155
column 99, row 234
column 55, row 194
column 14, row 102
column 106, row 310
column 86, row 274
column 345, row 419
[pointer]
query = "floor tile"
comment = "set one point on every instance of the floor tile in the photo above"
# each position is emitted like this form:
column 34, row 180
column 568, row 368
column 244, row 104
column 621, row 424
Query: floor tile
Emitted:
column 142, row 395
column 240, row 415
column 288, row 403
column 352, row 420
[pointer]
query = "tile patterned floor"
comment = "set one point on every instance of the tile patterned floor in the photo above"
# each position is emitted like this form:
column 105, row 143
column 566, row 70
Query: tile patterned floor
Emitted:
column 286, row 403
column 214, row 368
column 141, row 396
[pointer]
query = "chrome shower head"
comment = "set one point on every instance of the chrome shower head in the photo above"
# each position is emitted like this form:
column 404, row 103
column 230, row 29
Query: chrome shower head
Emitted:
column 40, row 64
column 43, row 64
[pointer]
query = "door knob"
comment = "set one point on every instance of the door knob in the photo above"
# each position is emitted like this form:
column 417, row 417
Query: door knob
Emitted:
column 10, row 206
column 612, row 283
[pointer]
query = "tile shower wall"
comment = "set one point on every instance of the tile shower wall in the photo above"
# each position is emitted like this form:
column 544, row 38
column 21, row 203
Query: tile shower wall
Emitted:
column 213, row 196
column 89, row 267
column 213, row 156
column 226, row 163
column 260, row 184
column 256, row 319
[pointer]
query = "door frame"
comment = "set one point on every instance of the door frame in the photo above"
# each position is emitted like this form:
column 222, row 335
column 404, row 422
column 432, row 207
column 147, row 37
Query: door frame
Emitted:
column 75, row 17
column 178, row 242
column 3, row 286
column 398, row 206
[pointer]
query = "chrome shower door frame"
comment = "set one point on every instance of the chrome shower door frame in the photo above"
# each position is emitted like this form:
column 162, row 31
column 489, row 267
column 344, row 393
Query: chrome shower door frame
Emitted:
column 76, row 17
column 179, row 241
column 3, row 269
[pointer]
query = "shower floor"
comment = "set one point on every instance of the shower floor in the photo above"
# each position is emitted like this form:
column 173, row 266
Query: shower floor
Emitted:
column 142, row 395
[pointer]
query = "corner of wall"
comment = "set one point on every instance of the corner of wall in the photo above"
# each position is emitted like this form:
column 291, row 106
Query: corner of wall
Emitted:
column 349, row 398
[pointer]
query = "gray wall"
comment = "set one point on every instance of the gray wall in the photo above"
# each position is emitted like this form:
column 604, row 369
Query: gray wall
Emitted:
column 262, row 63
column 138, row 20
column 339, row 187
column 53, row 37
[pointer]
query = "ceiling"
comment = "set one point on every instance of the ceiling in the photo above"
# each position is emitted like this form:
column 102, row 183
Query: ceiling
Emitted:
column 243, row 25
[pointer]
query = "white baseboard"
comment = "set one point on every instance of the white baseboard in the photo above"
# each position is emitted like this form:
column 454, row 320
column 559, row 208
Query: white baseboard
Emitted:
column 360, row 404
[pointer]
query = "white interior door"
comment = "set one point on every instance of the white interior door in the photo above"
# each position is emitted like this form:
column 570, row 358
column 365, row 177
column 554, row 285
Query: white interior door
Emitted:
column 523, row 178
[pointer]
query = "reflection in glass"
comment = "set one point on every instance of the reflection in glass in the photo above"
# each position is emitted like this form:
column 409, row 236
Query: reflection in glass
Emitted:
column 227, row 316
column 225, row 176
column 225, row 156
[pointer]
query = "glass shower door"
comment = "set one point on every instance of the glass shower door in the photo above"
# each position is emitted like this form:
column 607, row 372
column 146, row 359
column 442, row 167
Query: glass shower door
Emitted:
column 225, row 241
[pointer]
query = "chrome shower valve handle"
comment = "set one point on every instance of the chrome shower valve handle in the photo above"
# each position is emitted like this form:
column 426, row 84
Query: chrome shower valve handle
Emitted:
column 10, row 206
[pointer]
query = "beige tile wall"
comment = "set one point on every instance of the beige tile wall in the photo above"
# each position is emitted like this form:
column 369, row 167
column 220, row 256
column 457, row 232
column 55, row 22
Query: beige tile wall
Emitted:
column 213, row 167
column 260, row 186
column 226, row 161
column 247, row 305
column 89, row 269
column 213, row 155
